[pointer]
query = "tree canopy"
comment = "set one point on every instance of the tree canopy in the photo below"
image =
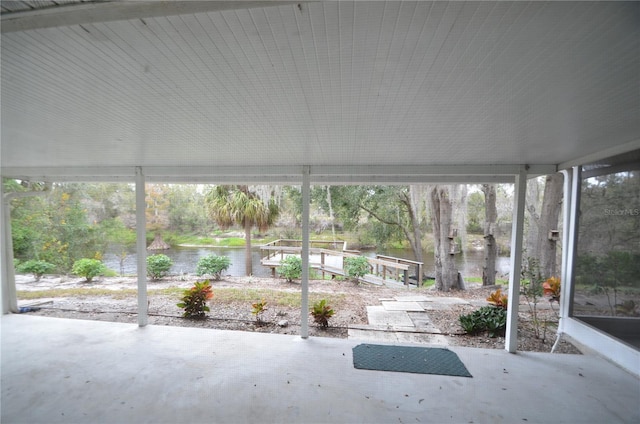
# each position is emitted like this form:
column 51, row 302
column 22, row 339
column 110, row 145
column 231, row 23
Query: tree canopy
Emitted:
column 239, row 205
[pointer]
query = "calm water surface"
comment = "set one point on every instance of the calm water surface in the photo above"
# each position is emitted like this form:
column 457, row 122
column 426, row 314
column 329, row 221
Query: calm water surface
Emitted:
column 185, row 260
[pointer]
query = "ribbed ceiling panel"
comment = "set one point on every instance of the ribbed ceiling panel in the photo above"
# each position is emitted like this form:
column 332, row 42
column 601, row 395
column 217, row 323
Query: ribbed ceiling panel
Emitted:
column 344, row 83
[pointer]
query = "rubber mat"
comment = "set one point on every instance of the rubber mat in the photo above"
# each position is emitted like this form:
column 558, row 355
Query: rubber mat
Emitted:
column 420, row 360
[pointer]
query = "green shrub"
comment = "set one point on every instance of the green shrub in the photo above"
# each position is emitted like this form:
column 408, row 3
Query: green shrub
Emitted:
column 491, row 319
column 321, row 313
column 35, row 267
column 110, row 273
column 356, row 267
column 290, row 268
column 194, row 300
column 88, row 268
column 213, row 265
column 158, row 266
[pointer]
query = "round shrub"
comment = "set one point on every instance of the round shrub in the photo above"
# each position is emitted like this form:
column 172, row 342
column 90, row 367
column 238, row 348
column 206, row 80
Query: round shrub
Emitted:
column 88, row 268
column 213, row 265
column 35, row 267
column 158, row 266
column 491, row 319
column 356, row 267
column 290, row 268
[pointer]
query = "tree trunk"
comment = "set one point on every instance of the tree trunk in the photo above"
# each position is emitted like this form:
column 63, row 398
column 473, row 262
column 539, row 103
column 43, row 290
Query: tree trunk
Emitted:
column 247, row 250
column 331, row 218
column 444, row 249
column 414, row 212
column 490, row 245
column 548, row 234
column 532, row 203
column 458, row 194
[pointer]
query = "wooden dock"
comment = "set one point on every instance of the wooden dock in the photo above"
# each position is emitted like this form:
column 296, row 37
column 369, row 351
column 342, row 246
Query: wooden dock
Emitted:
column 328, row 258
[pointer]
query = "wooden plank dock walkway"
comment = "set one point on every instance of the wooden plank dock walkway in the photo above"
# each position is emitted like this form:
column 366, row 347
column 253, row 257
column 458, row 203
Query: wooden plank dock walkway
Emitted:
column 385, row 270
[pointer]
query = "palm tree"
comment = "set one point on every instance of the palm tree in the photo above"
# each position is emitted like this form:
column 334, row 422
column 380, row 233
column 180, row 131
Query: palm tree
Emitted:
column 229, row 205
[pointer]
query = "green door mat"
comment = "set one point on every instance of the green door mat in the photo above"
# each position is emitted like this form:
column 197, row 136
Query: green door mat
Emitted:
column 421, row 360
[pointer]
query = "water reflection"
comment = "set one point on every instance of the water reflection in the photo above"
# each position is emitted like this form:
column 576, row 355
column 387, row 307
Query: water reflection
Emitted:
column 185, row 260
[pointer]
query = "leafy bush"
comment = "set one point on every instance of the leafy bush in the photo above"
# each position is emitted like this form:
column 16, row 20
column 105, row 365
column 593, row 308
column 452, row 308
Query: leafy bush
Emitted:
column 158, row 266
column 290, row 268
column 321, row 313
column 356, row 267
column 194, row 300
column 258, row 309
column 213, row 265
column 35, row 267
column 491, row 319
column 88, row 268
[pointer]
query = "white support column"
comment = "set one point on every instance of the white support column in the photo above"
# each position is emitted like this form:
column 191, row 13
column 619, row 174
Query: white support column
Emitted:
column 567, row 254
column 572, row 243
column 567, row 251
column 141, row 248
column 7, row 273
column 517, row 229
column 304, row 315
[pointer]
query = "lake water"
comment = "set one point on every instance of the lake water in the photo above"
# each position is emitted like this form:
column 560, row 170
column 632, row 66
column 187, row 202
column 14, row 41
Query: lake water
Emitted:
column 185, row 260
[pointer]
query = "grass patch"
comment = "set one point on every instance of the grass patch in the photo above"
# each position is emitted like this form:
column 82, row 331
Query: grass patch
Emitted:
column 428, row 283
column 499, row 281
column 83, row 292
column 222, row 295
column 315, row 274
column 191, row 240
column 76, row 292
column 231, row 242
column 177, row 239
column 272, row 297
column 110, row 273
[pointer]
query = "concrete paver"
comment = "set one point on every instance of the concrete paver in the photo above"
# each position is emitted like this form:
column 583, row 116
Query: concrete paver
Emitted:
column 431, row 306
column 411, row 298
column 400, row 321
column 423, row 323
column 402, row 306
column 396, row 337
column 378, row 315
column 447, row 300
column 421, row 338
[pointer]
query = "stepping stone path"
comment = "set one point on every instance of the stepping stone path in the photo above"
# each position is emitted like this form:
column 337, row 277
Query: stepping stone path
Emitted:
column 404, row 319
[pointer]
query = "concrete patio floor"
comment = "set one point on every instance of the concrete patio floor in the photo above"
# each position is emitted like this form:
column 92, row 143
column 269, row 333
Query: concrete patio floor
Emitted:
column 73, row 371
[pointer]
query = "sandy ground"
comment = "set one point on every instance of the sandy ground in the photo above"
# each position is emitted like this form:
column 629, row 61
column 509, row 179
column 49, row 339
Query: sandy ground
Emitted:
column 116, row 302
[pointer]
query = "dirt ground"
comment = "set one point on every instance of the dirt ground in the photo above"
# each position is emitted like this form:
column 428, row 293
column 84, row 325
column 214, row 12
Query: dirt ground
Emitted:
column 349, row 300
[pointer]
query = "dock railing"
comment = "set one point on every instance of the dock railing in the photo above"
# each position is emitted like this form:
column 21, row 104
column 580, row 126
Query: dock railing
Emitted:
column 328, row 258
column 415, row 264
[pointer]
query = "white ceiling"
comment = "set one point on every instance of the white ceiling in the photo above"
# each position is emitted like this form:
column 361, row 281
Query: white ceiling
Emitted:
column 323, row 83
